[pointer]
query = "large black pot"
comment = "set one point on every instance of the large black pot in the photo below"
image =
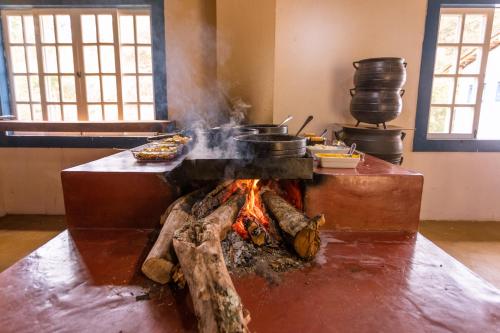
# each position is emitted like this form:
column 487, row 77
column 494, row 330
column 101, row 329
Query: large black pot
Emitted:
column 270, row 145
column 268, row 128
column 376, row 106
column 380, row 73
column 386, row 144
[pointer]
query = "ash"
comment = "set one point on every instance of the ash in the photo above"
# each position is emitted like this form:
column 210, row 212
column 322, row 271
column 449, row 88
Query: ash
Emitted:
column 243, row 257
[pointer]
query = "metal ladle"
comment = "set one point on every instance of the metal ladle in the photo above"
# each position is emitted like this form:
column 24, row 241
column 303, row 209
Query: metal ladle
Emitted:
column 287, row 119
column 308, row 120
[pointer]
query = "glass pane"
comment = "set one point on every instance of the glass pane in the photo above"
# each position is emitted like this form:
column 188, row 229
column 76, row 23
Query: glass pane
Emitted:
column 23, row 112
column 88, row 29
column 95, row 112
column 439, row 120
column 37, row 112
column 129, row 89
column 35, row 88
column 29, row 29
column 111, row 112
column 144, row 59
column 47, row 29
column 68, row 89
column 470, row 60
column 91, row 59
column 109, row 88
column 54, row 112
column 128, row 59
column 449, row 28
column 21, row 89
column 127, row 29
column 66, row 59
column 52, row 88
column 446, row 60
column 18, row 59
column 130, row 112
column 93, row 85
column 143, row 29
column 463, row 118
column 105, row 28
column 32, row 59
column 474, row 27
column 146, row 88
column 108, row 59
column 147, row 112
column 49, row 59
column 495, row 31
column 15, row 29
column 466, row 90
column 442, row 90
column 63, row 28
column 70, row 112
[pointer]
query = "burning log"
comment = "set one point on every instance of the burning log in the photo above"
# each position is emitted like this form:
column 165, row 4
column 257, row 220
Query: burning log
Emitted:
column 300, row 231
column 212, row 200
column 216, row 303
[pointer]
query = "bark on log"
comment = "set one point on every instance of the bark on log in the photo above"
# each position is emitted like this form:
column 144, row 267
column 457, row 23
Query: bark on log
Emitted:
column 300, row 231
column 216, row 303
column 211, row 201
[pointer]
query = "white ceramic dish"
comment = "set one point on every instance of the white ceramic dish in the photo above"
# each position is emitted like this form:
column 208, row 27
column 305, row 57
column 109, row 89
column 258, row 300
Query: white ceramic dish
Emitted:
column 340, row 161
column 323, row 149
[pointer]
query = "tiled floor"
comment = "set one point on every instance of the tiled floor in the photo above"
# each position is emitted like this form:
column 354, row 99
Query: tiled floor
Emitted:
column 475, row 244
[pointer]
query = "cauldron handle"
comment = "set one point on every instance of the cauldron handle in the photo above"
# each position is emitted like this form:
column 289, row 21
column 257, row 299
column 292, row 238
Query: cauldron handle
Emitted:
column 402, row 92
column 351, row 91
column 405, row 64
column 354, row 64
column 403, row 135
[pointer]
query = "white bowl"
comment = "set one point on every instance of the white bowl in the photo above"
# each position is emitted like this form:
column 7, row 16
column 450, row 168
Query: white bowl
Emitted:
column 340, row 161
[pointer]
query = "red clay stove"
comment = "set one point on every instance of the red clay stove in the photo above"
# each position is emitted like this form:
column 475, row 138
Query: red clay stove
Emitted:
column 374, row 272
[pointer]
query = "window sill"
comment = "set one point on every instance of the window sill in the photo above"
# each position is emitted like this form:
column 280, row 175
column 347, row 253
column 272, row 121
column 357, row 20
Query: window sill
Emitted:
column 426, row 145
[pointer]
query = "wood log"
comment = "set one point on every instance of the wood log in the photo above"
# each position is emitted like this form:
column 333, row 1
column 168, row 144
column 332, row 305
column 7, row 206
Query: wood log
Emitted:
column 300, row 231
column 161, row 259
column 211, row 201
column 217, row 305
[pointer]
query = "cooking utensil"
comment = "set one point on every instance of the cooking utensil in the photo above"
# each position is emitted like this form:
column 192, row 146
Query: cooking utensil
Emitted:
column 268, row 128
column 270, row 145
column 285, row 121
column 308, row 120
column 324, row 133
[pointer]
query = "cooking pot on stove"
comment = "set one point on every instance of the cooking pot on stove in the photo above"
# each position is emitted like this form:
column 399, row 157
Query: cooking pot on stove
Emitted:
column 268, row 128
column 270, row 145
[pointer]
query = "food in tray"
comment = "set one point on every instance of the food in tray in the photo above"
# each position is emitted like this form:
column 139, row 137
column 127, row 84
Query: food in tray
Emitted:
column 318, row 149
column 341, row 161
column 177, row 139
column 162, row 150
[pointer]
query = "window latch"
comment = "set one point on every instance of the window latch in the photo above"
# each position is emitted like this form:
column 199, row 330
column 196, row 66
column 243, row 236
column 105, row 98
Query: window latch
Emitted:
column 79, row 74
column 475, row 133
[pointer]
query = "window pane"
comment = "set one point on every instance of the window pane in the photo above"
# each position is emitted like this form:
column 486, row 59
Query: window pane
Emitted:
column 466, row 90
column 66, row 59
column 463, row 118
column 91, row 59
column 23, row 112
column 63, row 28
column 111, row 112
column 29, row 29
column 474, row 27
column 32, row 59
column 21, row 89
column 52, row 88
column 128, row 59
column 93, row 85
column 105, row 28
column 449, row 28
column 37, row 112
column 147, row 112
column 18, row 59
column 143, row 29
column 47, row 28
column 54, row 112
column 70, row 112
column 49, row 59
column 439, row 120
column 127, row 29
column 146, row 88
column 129, row 89
column 442, row 90
column 144, row 59
column 68, row 89
column 495, row 31
column 35, row 88
column 470, row 60
column 95, row 112
column 15, row 29
column 109, row 88
column 88, row 29
column 108, row 59
column 130, row 112
column 446, row 60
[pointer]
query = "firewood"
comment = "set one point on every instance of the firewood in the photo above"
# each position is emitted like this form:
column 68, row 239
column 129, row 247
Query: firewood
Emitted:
column 300, row 231
column 257, row 233
column 211, row 201
column 217, row 305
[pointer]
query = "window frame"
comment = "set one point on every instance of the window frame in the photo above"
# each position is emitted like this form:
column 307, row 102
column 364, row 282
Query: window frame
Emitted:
column 421, row 141
column 156, row 8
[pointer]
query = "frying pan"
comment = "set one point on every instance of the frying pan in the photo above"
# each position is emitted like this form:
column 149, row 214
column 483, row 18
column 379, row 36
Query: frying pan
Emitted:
column 271, row 145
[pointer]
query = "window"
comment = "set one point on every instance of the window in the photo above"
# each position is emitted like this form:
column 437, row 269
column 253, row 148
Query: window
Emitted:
column 80, row 64
column 458, row 106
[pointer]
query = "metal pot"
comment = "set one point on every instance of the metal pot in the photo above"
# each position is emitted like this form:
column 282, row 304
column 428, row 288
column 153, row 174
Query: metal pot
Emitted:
column 386, row 144
column 268, row 128
column 270, row 145
column 376, row 106
column 380, row 73
column 220, row 136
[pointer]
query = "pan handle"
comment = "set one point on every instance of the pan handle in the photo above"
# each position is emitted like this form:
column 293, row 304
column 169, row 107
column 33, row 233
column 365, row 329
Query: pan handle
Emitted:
column 355, row 64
